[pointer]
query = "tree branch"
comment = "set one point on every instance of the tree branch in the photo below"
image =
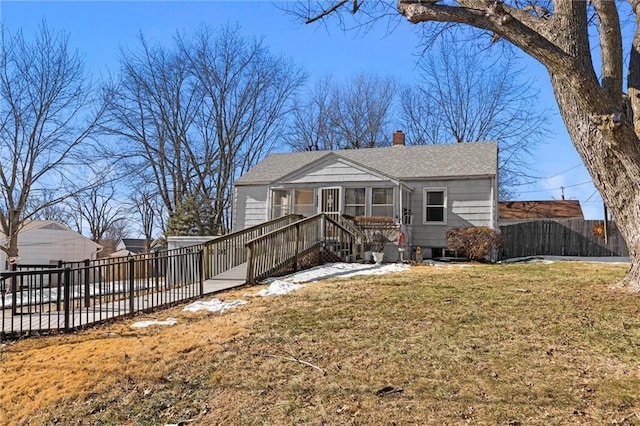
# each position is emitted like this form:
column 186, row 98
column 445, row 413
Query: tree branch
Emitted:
column 330, row 11
column 520, row 28
column 610, row 47
column 633, row 79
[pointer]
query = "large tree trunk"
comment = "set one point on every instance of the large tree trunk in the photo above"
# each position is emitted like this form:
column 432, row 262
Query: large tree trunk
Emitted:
column 608, row 146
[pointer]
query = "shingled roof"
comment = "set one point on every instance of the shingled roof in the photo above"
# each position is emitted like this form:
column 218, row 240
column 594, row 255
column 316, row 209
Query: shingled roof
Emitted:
column 399, row 162
column 554, row 209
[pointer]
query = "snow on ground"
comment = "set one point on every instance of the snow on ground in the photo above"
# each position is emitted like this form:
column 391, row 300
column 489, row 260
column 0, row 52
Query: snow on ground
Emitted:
column 339, row 270
column 278, row 288
column 142, row 324
column 214, row 305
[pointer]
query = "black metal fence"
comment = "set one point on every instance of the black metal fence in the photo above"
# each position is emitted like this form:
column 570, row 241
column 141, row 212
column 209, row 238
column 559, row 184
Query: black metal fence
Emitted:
column 36, row 299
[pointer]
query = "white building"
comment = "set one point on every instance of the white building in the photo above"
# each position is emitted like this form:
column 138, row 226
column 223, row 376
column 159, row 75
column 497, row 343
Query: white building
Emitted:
column 45, row 242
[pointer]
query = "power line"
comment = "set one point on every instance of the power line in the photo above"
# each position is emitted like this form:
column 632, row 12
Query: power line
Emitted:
column 563, row 172
column 556, row 189
column 592, row 194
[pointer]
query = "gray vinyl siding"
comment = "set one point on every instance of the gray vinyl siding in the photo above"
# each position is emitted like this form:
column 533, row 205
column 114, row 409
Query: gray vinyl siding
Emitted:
column 469, row 203
column 250, row 206
column 335, row 172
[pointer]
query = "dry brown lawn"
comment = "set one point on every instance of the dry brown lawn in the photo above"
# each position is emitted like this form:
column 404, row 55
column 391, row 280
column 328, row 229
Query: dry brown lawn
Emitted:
column 523, row 344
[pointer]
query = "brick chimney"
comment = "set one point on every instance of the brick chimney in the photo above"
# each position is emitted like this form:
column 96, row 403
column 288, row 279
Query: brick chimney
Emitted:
column 398, row 138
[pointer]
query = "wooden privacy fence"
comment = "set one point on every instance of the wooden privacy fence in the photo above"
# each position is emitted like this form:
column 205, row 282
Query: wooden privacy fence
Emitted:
column 229, row 251
column 284, row 249
column 562, row 237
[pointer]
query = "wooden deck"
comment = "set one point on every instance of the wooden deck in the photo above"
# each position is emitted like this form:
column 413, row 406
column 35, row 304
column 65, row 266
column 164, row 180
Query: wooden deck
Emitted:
column 48, row 321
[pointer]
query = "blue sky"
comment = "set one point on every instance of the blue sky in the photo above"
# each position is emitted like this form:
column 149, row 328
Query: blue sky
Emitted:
column 99, row 29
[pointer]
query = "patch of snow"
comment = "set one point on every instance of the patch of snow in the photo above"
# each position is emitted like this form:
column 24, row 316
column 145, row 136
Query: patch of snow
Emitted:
column 340, row 270
column 142, row 324
column 214, row 305
column 277, row 288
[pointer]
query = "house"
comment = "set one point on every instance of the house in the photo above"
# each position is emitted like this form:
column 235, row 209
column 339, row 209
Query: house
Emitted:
column 129, row 246
column 45, row 242
column 426, row 189
column 524, row 211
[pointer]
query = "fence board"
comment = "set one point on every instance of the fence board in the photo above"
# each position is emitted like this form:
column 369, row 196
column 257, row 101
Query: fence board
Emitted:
column 565, row 237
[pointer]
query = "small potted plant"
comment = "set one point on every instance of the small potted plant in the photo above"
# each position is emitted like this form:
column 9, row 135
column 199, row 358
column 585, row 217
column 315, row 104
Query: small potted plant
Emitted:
column 377, row 245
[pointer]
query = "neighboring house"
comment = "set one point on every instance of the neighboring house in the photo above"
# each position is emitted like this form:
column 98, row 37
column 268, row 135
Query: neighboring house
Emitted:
column 427, row 189
column 525, row 211
column 129, row 246
column 45, row 242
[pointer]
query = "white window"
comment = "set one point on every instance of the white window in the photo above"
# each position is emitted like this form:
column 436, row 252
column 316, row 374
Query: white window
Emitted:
column 435, row 205
column 382, row 202
column 280, row 203
column 304, row 202
column 355, row 201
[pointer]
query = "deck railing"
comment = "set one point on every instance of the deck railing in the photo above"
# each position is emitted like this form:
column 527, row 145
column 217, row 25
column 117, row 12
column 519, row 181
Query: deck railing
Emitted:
column 282, row 250
column 228, row 251
column 71, row 295
column 64, row 299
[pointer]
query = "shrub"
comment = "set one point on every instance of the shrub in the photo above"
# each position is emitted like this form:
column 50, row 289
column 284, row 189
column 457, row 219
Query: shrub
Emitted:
column 377, row 230
column 475, row 242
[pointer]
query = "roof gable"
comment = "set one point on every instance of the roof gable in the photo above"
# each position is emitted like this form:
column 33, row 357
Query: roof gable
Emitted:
column 396, row 162
column 50, row 225
column 333, row 168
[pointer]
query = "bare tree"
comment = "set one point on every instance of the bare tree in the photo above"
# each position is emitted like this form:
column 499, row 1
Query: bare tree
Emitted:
column 603, row 121
column 153, row 110
column 247, row 92
column 351, row 115
column 197, row 116
column 112, row 236
column 46, row 119
column 58, row 212
column 99, row 209
column 145, row 208
column 310, row 127
column 464, row 99
column 418, row 118
column 360, row 111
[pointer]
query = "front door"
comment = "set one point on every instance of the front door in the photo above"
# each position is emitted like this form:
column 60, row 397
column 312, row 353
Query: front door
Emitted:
column 330, row 201
column 329, row 205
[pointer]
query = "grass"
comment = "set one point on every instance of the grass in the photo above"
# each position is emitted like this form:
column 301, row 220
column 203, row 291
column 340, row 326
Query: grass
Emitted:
column 530, row 344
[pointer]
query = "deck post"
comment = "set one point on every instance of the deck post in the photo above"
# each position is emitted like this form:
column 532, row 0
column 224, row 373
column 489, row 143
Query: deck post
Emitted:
column 297, row 249
column 250, row 277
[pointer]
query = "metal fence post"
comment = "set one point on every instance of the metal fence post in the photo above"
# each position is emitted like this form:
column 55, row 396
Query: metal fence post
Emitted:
column 201, row 271
column 14, row 289
column 67, row 297
column 87, row 298
column 207, row 260
column 132, row 270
